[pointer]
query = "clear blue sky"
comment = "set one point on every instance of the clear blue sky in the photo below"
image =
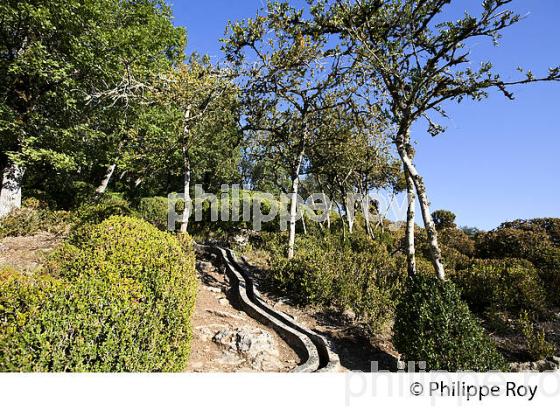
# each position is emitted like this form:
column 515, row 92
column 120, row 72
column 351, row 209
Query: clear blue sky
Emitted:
column 499, row 159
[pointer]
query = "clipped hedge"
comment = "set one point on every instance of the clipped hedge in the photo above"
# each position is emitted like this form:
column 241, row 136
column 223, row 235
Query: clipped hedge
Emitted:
column 121, row 300
column 97, row 211
column 433, row 325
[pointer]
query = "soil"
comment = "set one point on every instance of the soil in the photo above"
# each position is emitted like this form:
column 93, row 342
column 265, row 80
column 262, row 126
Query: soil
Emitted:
column 214, row 313
column 27, row 253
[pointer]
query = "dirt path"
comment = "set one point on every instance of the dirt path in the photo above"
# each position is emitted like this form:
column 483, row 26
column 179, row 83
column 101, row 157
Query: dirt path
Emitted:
column 226, row 339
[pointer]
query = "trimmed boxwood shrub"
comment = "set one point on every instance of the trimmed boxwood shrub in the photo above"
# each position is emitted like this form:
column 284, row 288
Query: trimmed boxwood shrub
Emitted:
column 121, row 300
column 433, row 325
column 97, row 211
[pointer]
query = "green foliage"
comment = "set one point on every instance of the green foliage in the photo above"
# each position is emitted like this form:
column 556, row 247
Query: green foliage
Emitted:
column 537, row 346
column 433, row 325
column 506, row 284
column 458, row 240
column 536, row 240
column 358, row 275
column 120, row 301
column 30, row 221
column 97, row 211
column 155, row 211
column 68, row 71
column 444, row 219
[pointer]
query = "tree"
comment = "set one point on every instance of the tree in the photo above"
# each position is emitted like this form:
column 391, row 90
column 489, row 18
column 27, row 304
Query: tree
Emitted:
column 67, row 68
column 292, row 79
column 350, row 158
column 198, row 119
column 444, row 219
column 414, row 66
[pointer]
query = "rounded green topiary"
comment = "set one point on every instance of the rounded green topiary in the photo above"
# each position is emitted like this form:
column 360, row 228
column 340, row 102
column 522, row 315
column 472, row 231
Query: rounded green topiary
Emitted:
column 121, row 300
column 433, row 325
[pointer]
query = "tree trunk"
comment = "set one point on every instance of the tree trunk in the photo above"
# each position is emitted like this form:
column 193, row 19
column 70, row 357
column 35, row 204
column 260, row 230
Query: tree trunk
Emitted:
column 187, row 191
column 293, row 207
column 350, row 219
column 304, row 225
column 186, row 172
column 10, row 188
column 410, row 225
column 328, row 211
column 435, row 251
column 365, row 210
column 106, row 179
column 348, row 214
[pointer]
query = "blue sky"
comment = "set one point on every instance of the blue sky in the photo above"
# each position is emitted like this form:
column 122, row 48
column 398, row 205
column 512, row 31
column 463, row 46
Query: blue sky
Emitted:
column 498, row 159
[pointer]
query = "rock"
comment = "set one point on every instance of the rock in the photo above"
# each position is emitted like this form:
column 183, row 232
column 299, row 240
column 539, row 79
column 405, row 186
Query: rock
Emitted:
column 255, row 346
column 241, row 239
column 223, row 302
column 254, row 341
column 266, row 363
column 204, row 266
column 539, row 366
column 349, row 314
column 230, row 359
column 206, row 333
column 556, row 360
column 212, row 289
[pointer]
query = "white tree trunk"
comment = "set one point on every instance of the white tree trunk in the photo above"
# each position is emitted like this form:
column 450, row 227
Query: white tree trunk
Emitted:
column 106, row 179
column 303, row 222
column 329, row 208
column 350, row 218
column 410, row 225
column 10, row 190
column 435, row 251
column 187, row 191
column 186, row 171
column 293, row 207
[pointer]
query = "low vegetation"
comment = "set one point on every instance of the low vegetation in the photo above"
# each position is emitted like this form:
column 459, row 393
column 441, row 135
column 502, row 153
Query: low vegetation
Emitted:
column 433, row 325
column 119, row 299
column 102, row 115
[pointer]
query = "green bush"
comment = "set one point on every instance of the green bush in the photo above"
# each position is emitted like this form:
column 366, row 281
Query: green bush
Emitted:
column 119, row 301
column 155, row 211
column 537, row 240
column 444, row 219
column 29, row 221
column 358, row 275
column 506, row 284
column 97, row 211
column 537, row 346
column 433, row 325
